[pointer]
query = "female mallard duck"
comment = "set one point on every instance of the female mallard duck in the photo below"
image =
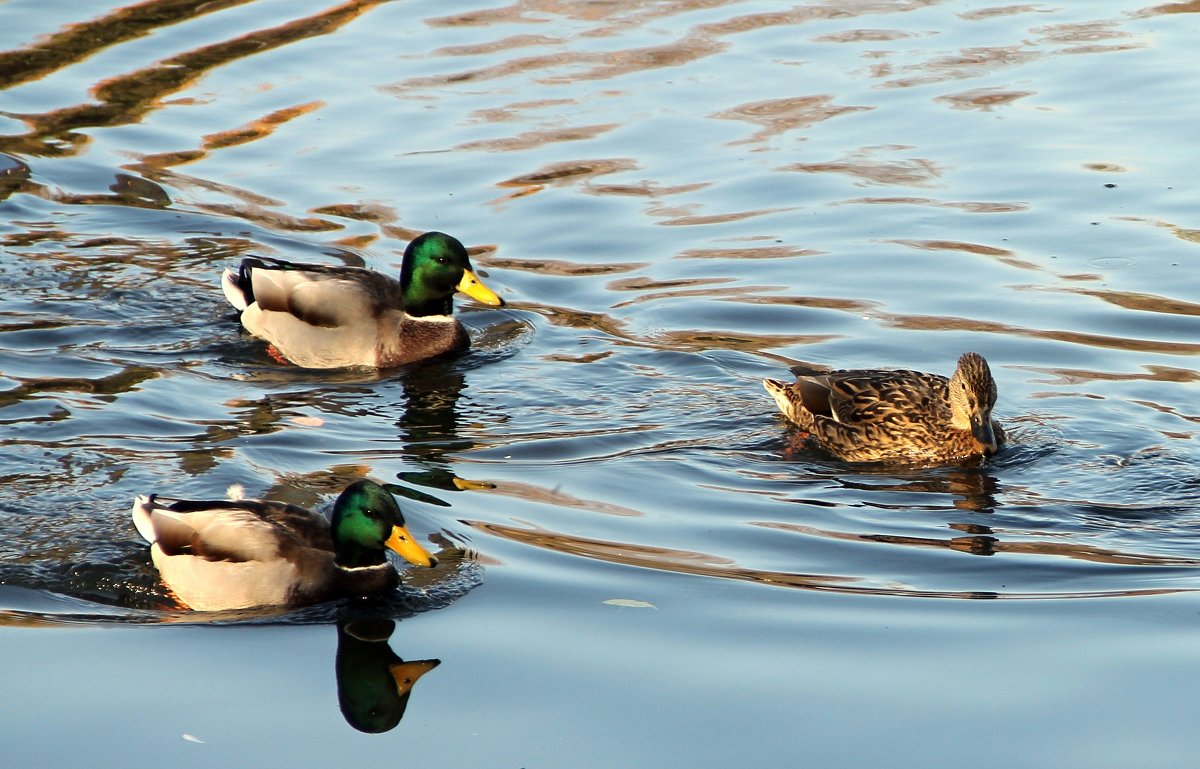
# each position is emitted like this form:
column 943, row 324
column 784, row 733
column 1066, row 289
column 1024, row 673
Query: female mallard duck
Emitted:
column 242, row 553
column 322, row 316
column 874, row 415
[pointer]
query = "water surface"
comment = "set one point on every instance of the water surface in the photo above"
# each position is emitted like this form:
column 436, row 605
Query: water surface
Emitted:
column 677, row 199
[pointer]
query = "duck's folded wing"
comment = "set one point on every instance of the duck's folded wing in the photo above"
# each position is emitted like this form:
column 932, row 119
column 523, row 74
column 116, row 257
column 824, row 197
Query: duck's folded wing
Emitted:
column 333, row 303
column 317, row 298
column 874, row 396
column 215, row 535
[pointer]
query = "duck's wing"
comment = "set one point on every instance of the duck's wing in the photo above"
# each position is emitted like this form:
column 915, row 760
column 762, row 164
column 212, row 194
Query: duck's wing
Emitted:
column 319, row 295
column 877, row 395
column 233, row 531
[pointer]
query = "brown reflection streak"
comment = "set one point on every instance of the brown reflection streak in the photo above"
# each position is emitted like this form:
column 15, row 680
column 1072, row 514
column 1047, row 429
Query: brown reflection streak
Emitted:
column 1131, row 300
column 512, row 111
column 496, row 46
column 645, row 189
column 1173, row 412
column 363, row 212
column 691, row 339
column 649, row 284
column 705, row 341
column 603, row 65
column 737, row 216
column 126, row 98
column 930, row 323
column 1159, row 10
column 532, row 493
column 700, row 42
column 1002, row 254
column 76, row 42
column 864, row 36
column 914, row 172
column 728, row 294
column 757, row 252
column 569, row 172
column 1082, row 32
column 983, row 99
column 559, row 267
column 531, row 139
column 1070, row 376
column 153, row 165
column 1003, row 10
column 707, row 565
column 991, row 545
column 776, row 116
column 978, row 207
column 952, row 245
column 968, row 63
column 856, row 306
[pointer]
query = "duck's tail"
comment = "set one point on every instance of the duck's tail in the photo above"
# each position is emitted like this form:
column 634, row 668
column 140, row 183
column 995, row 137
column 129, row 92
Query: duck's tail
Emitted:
column 142, row 506
column 238, row 285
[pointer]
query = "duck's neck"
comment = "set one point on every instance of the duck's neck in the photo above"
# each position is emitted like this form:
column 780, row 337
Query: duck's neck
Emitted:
column 351, row 555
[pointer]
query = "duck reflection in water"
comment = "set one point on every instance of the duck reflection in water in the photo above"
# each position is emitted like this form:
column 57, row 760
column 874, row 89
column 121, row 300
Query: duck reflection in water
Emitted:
column 373, row 683
column 429, row 431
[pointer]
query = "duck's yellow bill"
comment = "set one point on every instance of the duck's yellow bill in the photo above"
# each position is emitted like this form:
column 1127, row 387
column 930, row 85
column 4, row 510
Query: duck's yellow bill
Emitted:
column 464, row 484
column 473, row 287
column 405, row 674
column 403, row 543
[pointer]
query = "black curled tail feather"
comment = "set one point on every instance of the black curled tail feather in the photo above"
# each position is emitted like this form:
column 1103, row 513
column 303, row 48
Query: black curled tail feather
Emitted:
column 238, row 284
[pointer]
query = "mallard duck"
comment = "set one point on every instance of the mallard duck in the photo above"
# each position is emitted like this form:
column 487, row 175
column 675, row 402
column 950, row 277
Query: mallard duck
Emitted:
column 243, row 553
column 323, row 316
column 874, row 415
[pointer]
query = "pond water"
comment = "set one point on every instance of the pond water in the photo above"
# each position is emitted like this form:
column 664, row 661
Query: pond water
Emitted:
column 676, row 199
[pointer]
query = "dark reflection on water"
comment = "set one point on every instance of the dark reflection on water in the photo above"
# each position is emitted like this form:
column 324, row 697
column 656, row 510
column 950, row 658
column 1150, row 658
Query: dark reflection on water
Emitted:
column 374, row 684
column 709, row 565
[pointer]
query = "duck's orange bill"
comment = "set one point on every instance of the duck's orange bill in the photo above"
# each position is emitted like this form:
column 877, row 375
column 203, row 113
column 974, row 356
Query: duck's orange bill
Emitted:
column 403, row 543
column 474, row 288
column 405, row 674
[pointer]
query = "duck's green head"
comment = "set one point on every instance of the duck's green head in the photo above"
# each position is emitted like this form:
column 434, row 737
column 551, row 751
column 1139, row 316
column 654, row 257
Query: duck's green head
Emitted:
column 972, row 398
column 435, row 266
column 366, row 519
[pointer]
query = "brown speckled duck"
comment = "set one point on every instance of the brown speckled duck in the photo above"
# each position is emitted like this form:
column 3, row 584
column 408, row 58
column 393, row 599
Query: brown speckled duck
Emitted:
column 324, row 316
column 876, row 415
column 217, row 555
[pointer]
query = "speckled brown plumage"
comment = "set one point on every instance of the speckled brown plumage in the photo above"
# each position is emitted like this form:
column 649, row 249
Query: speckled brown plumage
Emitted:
column 878, row 415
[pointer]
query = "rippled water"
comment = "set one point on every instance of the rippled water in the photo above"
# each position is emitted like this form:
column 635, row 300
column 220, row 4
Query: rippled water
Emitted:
column 676, row 199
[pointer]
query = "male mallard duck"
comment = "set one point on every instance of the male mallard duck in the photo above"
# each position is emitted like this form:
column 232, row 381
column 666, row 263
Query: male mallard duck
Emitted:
column 242, row 553
column 322, row 316
column 874, row 415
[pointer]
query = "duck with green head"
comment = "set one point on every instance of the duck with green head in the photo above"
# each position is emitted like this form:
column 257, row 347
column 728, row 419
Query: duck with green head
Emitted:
column 326, row 316
column 244, row 553
column 879, row 415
